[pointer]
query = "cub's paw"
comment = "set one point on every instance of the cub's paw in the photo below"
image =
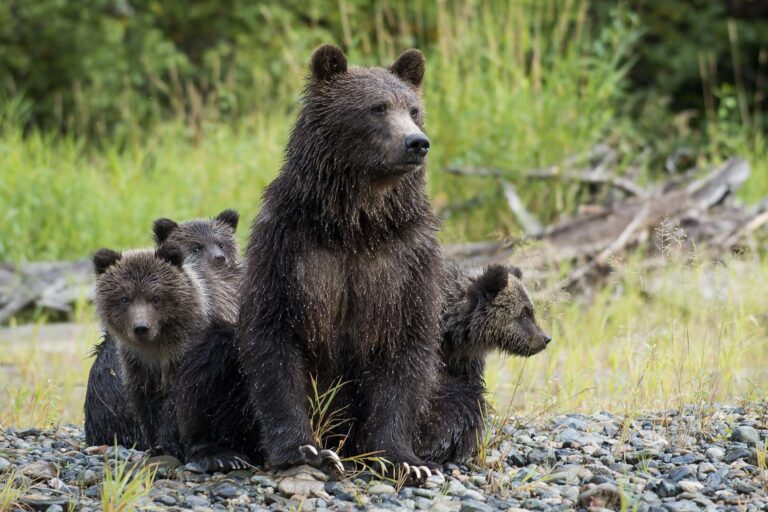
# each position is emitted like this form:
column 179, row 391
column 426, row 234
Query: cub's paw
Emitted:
column 222, row 461
column 326, row 460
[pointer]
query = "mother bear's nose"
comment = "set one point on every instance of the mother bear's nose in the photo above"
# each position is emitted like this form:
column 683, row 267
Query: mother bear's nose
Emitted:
column 417, row 144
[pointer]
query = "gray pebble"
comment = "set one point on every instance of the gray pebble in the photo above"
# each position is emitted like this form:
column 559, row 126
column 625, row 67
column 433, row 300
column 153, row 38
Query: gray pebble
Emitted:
column 715, row 453
column 475, row 506
column 737, row 452
column 165, row 499
column 746, row 435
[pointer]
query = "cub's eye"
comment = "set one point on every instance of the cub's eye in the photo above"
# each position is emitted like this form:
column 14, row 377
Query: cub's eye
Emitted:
column 379, row 109
column 124, row 300
column 414, row 113
column 197, row 248
column 155, row 300
column 221, row 246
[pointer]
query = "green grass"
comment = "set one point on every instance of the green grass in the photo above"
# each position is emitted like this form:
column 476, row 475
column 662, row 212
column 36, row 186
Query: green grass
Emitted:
column 516, row 86
column 12, row 487
column 124, row 487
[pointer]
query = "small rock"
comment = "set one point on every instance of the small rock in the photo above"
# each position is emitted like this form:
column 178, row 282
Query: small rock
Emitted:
column 381, row 489
column 54, row 508
column 706, row 468
column 600, row 496
column 163, row 461
column 193, row 467
column 39, row 470
column 517, row 459
column 682, row 473
column 746, row 435
column 193, row 500
column 86, row 478
column 4, row 465
column 475, row 506
column 93, row 491
column 42, row 501
column 95, row 450
column 263, row 481
column 737, row 452
column 165, row 499
column 715, row 453
column 681, row 506
column 542, row 456
column 225, row 490
column 455, row 488
column 667, row 489
column 690, row 486
column 425, row 493
column 301, row 486
column 305, row 472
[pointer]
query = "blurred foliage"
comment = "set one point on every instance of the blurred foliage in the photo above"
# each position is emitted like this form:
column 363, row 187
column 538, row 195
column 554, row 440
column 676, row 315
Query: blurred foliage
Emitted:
column 94, row 66
column 114, row 112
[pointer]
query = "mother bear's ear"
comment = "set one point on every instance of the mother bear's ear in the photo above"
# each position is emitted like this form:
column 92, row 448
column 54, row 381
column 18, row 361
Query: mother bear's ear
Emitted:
column 409, row 67
column 327, row 60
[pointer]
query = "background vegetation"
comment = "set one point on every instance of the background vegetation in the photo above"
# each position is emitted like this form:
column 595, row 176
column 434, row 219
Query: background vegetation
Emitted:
column 116, row 112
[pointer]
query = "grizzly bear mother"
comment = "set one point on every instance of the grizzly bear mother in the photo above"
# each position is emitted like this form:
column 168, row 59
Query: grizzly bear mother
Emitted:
column 343, row 277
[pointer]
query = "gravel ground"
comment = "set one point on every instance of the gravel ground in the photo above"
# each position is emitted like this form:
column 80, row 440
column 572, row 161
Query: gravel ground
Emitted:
column 663, row 461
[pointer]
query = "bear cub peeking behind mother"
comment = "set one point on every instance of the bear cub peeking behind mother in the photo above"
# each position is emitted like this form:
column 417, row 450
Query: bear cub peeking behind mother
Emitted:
column 343, row 271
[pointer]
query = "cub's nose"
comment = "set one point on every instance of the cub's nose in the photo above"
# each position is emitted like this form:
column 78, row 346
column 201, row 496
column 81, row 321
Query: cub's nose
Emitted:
column 141, row 329
column 417, row 144
column 219, row 259
column 547, row 339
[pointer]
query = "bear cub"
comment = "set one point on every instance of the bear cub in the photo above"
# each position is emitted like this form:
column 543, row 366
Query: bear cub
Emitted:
column 210, row 245
column 484, row 311
column 151, row 305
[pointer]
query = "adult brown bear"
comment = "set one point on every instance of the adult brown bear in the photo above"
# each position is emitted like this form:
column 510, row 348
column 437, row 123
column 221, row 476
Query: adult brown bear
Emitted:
column 343, row 271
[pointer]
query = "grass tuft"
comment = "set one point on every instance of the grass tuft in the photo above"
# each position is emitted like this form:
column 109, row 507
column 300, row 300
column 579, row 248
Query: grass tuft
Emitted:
column 125, row 488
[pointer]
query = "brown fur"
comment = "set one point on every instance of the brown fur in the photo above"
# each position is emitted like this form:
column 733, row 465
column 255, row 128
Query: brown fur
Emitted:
column 485, row 309
column 343, row 269
column 212, row 248
column 150, row 306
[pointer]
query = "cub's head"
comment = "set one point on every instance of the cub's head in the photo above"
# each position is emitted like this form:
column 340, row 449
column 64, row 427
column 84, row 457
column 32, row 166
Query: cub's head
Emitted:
column 210, row 243
column 367, row 119
column 145, row 299
column 501, row 313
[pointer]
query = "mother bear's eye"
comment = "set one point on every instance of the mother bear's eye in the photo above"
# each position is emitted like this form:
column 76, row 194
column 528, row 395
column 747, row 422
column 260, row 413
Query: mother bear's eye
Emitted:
column 414, row 113
column 381, row 108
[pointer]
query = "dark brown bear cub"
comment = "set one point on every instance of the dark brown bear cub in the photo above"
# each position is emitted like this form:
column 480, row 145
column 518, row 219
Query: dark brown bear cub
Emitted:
column 210, row 245
column 151, row 305
column 343, row 269
column 484, row 311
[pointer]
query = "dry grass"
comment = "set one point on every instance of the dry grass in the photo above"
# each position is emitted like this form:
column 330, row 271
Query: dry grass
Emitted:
column 690, row 332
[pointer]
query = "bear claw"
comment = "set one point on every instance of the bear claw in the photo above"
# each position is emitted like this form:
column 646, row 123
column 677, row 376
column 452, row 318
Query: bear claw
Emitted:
column 224, row 463
column 322, row 459
column 417, row 475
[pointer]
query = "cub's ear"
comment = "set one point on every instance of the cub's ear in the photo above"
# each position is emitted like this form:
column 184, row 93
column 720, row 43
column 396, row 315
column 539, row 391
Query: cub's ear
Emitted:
column 488, row 285
column 409, row 67
column 229, row 217
column 172, row 253
column 103, row 259
column 515, row 271
column 162, row 229
column 327, row 60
